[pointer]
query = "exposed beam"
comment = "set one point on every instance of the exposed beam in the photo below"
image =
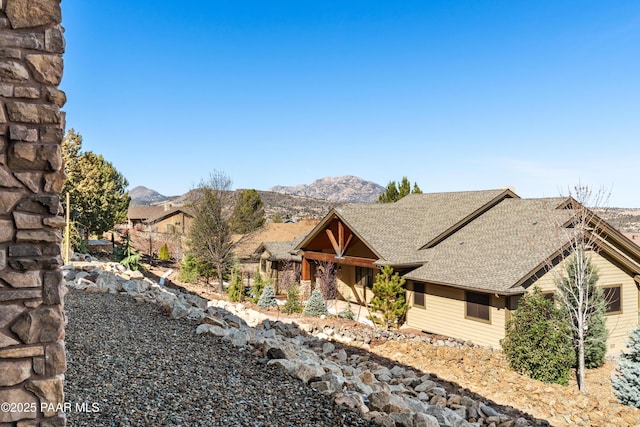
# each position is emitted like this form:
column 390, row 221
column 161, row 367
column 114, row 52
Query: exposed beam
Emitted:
column 347, row 260
column 332, row 239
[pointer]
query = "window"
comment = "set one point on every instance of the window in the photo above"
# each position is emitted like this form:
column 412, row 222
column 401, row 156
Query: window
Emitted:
column 364, row 277
column 478, row 306
column 613, row 299
column 263, row 265
column 549, row 296
column 418, row 294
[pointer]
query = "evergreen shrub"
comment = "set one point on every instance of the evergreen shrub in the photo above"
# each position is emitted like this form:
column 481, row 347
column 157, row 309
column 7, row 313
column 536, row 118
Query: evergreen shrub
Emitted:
column 626, row 385
column 267, row 298
column 316, row 306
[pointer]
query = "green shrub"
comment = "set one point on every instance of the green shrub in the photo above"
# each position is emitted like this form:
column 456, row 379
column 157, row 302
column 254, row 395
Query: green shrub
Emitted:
column 258, row 287
column 189, row 270
column 538, row 340
column 293, row 301
column 163, row 254
column 626, row 385
column 236, row 288
column 267, row 298
column 316, row 306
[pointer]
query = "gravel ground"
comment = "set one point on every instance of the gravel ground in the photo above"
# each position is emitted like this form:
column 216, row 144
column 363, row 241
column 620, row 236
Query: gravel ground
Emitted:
column 136, row 367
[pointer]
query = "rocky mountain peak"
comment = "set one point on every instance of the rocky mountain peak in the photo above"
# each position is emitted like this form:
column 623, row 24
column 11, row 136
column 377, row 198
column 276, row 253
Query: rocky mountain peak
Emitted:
column 347, row 189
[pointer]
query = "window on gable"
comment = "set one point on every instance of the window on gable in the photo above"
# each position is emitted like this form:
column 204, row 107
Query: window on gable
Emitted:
column 478, row 306
column 613, row 299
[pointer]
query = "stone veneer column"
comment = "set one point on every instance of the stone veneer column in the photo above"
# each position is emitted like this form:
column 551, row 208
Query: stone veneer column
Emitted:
column 32, row 357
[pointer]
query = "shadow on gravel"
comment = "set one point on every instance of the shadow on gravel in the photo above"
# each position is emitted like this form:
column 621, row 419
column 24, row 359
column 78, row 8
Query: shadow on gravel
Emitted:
column 175, row 400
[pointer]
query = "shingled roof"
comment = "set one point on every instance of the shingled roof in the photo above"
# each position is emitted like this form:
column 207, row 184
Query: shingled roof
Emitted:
column 499, row 248
column 396, row 232
column 479, row 240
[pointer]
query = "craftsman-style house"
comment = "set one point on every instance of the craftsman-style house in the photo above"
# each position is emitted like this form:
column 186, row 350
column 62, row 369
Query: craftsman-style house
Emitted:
column 467, row 257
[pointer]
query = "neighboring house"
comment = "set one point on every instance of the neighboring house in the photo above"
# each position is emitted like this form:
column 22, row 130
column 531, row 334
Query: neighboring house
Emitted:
column 137, row 215
column 275, row 257
column 467, row 258
column 247, row 247
column 174, row 220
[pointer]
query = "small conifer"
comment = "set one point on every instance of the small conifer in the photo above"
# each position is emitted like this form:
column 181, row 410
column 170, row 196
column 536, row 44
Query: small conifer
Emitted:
column 293, row 301
column 236, row 289
column 268, row 298
column 316, row 306
column 626, row 385
column 163, row 254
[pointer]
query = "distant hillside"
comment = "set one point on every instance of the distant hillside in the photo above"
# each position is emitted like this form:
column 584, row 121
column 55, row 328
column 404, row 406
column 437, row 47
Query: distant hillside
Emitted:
column 141, row 196
column 285, row 205
column 347, row 189
column 625, row 220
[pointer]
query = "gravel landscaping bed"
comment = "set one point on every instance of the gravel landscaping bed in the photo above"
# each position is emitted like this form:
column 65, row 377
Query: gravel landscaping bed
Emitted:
column 134, row 366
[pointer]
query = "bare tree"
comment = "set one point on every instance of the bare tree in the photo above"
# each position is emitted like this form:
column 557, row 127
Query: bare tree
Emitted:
column 288, row 276
column 210, row 231
column 327, row 276
column 575, row 282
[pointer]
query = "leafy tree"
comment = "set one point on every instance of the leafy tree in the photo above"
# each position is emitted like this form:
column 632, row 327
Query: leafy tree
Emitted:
column 248, row 213
column 163, row 253
column 577, row 280
column 236, row 288
column 626, row 384
column 395, row 192
column 538, row 340
column 257, row 288
column 267, row 298
column 316, row 306
column 96, row 189
column 388, row 306
column 209, row 237
column 293, row 301
column 595, row 335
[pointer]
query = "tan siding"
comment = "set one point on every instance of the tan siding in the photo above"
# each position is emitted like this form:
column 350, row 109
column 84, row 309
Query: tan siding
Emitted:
column 618, row 325
column 444, row 314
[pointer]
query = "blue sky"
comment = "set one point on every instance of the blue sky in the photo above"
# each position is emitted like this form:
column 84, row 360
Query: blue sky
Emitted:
column 455, row 95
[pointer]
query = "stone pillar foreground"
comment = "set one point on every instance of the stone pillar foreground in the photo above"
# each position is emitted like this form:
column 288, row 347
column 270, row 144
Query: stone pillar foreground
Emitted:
column 32, row 357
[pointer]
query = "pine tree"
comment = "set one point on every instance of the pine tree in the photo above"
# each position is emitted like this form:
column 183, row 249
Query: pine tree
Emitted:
column 248, row 212
column 97, row 191
column 293, row 301
column 538, row 340
column 268, row 298
column 388, row 305
column 626, row 385
column 163, row 253
column 396, row 191
column 316, row 306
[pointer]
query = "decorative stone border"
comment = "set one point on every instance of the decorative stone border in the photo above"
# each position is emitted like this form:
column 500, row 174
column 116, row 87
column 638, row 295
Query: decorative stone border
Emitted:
column 395, row 396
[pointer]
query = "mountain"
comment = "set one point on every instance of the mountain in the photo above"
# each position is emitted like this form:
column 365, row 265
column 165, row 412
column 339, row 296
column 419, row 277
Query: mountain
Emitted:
column 141, row 196
column 346, row 189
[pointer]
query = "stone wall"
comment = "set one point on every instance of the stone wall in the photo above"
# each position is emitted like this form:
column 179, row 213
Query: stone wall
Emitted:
column 32, row 357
